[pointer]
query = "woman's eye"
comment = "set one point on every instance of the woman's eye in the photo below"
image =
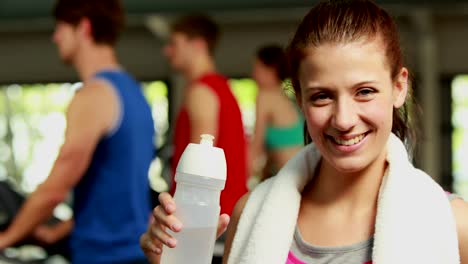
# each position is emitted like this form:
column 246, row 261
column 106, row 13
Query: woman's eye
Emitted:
column 365, row 92
column 320, row 97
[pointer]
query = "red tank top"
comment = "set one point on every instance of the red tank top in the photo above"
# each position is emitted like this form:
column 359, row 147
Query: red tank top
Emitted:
column 230, row 138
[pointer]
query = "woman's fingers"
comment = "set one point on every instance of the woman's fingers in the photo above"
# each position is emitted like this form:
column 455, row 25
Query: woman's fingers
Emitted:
column 151, row 248
column 157, row 233
column 147, row 244
column 167, row 202
column 156, row 236
column 167, row 221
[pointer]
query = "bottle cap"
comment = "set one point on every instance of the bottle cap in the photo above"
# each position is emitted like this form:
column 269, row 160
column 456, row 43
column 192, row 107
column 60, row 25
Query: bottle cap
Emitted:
column 203, row 159
column 207, row 139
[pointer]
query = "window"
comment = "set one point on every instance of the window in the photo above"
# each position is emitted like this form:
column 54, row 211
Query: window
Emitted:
column 32, row 126
column 245, row 91
column 460, row 134
column 156, row 93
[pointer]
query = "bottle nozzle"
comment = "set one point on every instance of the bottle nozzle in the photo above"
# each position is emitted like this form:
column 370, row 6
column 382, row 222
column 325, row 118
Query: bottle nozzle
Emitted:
column 207, row 139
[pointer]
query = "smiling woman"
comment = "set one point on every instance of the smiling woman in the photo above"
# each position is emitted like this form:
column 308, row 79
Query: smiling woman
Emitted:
column 351, row 196
column 348, row 100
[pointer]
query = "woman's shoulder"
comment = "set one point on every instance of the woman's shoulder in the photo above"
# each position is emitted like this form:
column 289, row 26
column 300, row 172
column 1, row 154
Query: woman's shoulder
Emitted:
column 460, row 211
column 264, row 95
column 457, row 202
column 257, row 194
column 233, row 223
column 239, row 207
column 272, row 95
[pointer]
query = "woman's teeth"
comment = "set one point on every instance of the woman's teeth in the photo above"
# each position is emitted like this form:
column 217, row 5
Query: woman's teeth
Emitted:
column 349, row 142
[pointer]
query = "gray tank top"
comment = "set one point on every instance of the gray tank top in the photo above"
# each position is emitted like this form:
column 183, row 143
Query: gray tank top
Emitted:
column 302, row 252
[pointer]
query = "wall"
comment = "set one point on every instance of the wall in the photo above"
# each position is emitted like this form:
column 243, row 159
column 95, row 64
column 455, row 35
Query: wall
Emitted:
column 435, row 46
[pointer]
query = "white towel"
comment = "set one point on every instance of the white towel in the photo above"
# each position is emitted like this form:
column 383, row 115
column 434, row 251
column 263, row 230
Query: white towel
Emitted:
column 414, row 223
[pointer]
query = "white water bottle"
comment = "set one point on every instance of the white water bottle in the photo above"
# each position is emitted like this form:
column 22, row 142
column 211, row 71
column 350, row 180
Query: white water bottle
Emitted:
column 200, row 177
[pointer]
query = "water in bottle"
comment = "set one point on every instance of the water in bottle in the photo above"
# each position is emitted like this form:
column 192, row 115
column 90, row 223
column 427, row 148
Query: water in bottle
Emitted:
column 200, row 178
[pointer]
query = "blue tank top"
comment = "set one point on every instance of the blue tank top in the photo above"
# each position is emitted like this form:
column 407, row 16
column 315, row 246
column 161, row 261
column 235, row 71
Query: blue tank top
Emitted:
column 112, row 200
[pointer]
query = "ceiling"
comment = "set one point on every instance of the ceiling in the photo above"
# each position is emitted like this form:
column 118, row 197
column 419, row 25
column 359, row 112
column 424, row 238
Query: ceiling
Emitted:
column 23, row 16
column 28, row 9
column 28, row 55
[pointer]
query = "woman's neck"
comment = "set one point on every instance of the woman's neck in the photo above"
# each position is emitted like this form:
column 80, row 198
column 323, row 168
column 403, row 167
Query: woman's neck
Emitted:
column 355, row 192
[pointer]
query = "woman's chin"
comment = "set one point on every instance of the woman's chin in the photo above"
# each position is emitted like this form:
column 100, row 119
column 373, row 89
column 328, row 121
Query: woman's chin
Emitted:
column 350, row 165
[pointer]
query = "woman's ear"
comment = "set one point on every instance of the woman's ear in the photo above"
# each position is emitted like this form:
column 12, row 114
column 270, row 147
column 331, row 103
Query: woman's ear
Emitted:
column 400, row 88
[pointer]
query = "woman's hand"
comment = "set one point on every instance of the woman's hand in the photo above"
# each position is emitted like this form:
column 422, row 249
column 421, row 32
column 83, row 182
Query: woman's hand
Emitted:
column 163, row 219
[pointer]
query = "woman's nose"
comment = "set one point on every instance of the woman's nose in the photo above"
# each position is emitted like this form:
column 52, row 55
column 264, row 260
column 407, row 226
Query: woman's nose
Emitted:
column 345, row 115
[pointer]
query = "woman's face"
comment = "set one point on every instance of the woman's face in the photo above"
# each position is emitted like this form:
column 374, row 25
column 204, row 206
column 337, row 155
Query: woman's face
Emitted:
column 348, row 97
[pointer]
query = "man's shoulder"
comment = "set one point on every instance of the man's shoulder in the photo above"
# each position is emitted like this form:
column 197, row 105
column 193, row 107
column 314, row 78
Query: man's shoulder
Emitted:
column 95, row 86
column 200, row 93
column 114, row 77
column 92, row 92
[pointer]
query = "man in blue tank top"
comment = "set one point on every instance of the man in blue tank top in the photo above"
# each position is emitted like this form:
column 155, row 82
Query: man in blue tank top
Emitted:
column 107, row 150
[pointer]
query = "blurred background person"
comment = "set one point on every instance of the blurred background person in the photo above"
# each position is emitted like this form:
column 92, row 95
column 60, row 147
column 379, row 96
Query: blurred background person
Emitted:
column 108, row 145
column 208, row 106
column 278, row 133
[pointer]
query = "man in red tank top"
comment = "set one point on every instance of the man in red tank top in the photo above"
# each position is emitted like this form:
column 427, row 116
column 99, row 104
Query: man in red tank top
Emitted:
column 209, row 106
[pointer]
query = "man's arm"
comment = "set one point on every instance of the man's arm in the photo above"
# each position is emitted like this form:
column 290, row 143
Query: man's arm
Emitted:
column 88, row 117
column 203, row 111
